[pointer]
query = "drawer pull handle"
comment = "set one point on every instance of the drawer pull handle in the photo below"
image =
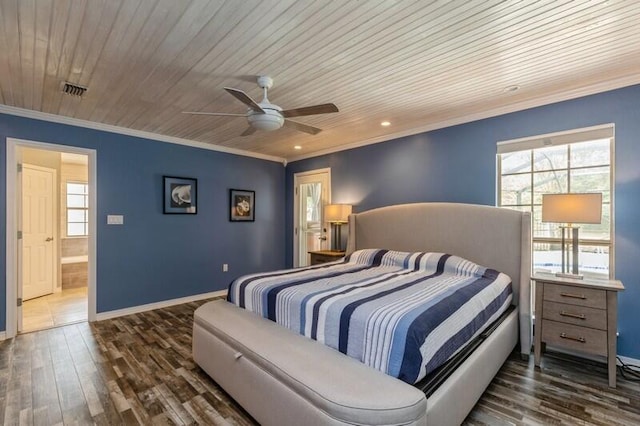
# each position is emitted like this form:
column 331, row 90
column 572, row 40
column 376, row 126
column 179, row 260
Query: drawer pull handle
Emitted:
column 573, row 296
column 577, row 339
column 569, row 314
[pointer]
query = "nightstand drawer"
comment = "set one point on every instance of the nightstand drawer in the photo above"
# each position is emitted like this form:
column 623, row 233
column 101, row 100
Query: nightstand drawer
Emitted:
column 573, row 337
column 318, row 258
column 324, row 256
column 572, row 314
column 574, row 295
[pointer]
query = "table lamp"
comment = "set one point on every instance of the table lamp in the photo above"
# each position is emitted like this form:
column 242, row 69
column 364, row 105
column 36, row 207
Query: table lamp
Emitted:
column 570, row 209
column 337, row 215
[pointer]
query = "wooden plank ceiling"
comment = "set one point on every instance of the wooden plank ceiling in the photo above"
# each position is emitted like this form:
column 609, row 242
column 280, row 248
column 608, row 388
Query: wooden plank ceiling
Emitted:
column 418, row 64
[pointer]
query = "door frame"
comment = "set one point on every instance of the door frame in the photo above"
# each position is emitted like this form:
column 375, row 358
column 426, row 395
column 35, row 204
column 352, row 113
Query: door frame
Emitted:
column 296, row 206
column 12, row 224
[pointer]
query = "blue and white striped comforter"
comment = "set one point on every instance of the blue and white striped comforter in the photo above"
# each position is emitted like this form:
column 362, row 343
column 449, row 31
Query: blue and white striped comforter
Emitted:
column 404, row 314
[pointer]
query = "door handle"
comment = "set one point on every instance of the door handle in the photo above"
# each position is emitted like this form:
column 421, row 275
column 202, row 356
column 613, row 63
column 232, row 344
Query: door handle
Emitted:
column 322, row 238
column 49, row 239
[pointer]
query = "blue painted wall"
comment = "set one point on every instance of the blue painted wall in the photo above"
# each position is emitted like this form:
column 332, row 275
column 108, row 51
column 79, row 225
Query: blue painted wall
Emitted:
column 154, row 256
column 458, row 164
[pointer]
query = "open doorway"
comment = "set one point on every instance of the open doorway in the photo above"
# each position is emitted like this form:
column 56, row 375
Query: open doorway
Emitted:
column 312, row 191
column 55, row 205
column 51, row 259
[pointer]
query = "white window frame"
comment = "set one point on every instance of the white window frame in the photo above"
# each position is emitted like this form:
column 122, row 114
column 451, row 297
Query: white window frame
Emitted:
column 565, row 138
column 67, row 208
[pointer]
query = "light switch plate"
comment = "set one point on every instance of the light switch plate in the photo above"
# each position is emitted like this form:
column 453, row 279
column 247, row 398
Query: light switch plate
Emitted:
column 115, row 219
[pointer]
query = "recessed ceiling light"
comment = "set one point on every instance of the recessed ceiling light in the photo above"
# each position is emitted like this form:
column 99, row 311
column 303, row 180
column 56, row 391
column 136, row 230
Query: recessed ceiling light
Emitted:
column 513, row 88
column 385, row 123
column 297, row 147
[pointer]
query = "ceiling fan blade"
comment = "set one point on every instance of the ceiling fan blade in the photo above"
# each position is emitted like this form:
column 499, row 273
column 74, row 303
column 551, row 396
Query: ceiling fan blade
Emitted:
column 310, row 110
column 222, row 114
column 245, row 99
column 302, row 127
column 250, row 130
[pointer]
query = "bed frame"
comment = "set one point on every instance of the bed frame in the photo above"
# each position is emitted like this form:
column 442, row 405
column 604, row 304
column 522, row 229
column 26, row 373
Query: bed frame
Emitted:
column 280, row 377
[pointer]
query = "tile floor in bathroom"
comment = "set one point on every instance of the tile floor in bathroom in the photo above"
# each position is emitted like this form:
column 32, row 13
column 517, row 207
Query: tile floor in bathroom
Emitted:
column 65, row 307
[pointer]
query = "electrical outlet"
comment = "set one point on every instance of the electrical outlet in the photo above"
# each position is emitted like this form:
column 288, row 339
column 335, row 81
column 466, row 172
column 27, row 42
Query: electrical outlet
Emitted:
column 115, row 219
column 225, row 267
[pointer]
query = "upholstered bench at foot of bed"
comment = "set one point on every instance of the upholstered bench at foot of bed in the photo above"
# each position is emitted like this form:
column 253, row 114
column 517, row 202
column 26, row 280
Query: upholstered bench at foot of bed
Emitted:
column 283, row 378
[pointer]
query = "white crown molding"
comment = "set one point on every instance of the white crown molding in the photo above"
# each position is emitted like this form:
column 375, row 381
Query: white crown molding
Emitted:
column 507, row 109
column 44, row 116
column 157, row 305
column 532, row 103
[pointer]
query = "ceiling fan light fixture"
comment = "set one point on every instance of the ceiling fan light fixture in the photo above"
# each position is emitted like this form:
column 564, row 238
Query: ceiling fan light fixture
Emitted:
column 267, row 116
column 270, row 120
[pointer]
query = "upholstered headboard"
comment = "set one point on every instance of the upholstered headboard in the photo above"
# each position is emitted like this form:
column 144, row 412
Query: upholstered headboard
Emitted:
column 490, row 236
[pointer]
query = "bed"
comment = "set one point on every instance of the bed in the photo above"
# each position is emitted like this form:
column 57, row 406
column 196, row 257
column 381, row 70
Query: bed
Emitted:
column 281, row 377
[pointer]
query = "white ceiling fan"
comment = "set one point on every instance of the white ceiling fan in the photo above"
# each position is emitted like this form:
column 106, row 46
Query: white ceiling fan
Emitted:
column 267, row 116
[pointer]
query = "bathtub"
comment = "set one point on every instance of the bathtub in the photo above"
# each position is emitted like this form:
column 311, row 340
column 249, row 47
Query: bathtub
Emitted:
column 74, row 259
column 75, row 271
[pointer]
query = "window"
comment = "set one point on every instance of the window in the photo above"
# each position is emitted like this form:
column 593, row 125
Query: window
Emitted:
column 77, row 209
column 580, row 161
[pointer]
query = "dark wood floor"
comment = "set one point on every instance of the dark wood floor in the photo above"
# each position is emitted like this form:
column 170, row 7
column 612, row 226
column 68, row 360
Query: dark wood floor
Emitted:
column 138, row 370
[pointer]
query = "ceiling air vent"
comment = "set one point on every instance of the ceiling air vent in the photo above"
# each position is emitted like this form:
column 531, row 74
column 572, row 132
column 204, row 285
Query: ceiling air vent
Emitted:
column 73, row 89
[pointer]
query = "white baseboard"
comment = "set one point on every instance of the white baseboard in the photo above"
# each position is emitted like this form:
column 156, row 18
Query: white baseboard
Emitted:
column 3, row 335
column 157, row 305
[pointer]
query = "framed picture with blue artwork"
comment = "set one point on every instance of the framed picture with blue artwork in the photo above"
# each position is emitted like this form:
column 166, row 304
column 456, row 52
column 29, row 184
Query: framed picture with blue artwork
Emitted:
column 180, row 195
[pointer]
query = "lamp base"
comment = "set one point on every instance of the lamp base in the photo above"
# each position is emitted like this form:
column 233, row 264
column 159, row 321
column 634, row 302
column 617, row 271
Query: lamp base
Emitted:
column 573, row 231
column 336, row 237
column 566, row 275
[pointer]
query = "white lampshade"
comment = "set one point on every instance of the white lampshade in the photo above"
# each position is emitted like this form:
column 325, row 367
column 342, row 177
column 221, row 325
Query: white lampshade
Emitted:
column 572, row 208
column 270, row 120
column 337, row 213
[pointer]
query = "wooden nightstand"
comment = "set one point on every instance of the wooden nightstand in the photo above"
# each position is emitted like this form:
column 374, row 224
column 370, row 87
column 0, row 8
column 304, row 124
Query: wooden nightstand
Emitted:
column 579, row 315
column 324, row 256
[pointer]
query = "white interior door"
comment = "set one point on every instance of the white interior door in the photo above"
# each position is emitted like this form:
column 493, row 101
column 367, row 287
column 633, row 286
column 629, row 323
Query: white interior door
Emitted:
column 38, row 221
column 312, row 192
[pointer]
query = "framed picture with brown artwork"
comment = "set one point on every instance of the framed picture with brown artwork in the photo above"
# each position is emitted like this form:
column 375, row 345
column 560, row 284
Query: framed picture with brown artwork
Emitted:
column 242, row 207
